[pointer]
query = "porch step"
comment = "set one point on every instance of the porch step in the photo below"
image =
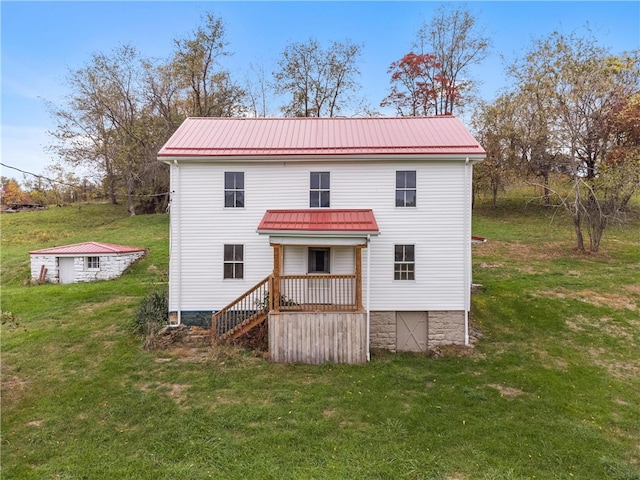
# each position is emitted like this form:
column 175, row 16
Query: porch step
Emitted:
column 243, row 327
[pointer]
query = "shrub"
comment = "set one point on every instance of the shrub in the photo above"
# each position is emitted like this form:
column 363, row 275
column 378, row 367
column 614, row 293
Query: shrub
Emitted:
column 152, row 313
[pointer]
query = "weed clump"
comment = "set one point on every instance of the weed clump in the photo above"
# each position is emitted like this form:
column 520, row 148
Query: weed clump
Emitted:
column 152, row 314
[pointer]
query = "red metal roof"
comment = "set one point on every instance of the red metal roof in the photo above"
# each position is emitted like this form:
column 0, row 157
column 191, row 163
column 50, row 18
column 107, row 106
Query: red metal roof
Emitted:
column 87, row 248
column 214, row 136
column 319, row 220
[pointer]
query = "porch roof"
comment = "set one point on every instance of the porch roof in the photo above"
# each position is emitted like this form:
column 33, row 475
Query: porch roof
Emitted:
column 317, row 221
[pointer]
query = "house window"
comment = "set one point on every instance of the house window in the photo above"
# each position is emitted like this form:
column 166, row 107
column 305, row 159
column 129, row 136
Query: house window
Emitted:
column 234, row 189
column 404, row 267
column 93, row 263
column 319, row 260
column 233, row 261
column 319, row 191
column 406, row 188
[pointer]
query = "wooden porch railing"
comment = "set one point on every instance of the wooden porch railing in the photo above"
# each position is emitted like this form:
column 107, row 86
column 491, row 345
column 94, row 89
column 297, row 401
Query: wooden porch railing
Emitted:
column 301, row 293
column 244, row 313
column 318, row 293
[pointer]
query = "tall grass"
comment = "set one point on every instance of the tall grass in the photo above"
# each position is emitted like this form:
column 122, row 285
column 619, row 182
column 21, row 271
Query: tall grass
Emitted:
column 551, row 388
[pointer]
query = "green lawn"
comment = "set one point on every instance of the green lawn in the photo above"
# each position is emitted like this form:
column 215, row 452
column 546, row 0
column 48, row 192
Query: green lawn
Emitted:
column 550, row 390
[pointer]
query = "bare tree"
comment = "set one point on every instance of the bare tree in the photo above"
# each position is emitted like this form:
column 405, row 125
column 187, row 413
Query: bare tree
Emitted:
column 257, row 88
column 457, row 43
column 196, row 63
column 318, row 81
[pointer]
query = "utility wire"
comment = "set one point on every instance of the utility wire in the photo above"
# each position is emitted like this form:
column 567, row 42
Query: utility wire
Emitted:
column 39, row 176
column 74, row 186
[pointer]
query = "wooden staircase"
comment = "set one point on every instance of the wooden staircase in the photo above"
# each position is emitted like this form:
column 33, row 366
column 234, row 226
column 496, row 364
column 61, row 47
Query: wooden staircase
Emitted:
column 244, row 313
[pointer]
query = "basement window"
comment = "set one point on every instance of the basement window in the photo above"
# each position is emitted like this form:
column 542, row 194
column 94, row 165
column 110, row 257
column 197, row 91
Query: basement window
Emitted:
column 93, row 263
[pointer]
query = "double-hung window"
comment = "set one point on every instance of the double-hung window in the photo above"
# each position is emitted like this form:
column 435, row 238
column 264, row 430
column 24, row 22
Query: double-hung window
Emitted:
column 93, row 263
column 234, row 189
column 406, row 188
column 404, row 266
column 234, row 261
column 319, row 190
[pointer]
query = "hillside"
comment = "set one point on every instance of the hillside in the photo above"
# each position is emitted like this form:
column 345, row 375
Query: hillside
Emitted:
column 550, row 389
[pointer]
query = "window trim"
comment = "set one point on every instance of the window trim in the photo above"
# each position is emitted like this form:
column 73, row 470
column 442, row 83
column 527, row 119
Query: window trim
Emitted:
column 408, row 273
column 233, row 262
column 404, row 189
column 234, row 190
column 320, row 190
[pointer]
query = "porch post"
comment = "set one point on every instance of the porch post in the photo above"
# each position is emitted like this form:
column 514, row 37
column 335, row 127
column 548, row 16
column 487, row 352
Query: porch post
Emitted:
column 275, row 292
column 359, row 278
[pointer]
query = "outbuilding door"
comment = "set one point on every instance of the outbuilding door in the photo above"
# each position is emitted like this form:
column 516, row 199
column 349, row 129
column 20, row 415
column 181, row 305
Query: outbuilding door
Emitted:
column 66, row 270
column 411, row 331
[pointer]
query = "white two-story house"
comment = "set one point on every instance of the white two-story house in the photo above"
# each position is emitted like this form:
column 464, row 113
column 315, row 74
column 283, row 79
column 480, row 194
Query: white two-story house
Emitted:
column 342, row 234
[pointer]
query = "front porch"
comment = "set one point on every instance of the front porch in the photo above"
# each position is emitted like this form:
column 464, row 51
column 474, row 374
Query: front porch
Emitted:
column 312, row 302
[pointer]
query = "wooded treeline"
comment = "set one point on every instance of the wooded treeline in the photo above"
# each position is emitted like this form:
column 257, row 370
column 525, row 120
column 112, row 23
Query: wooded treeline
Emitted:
column 572, row 115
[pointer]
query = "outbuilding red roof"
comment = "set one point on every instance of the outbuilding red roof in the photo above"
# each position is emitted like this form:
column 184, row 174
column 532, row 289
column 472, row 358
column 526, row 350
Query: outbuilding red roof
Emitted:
column 214, row 136
column 87, row 248
column 319, row 220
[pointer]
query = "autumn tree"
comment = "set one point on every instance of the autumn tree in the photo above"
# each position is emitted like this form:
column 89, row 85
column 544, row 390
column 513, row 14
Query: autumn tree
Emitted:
column 12, row 192
column 417, row 85
column 456, row 43
column 317, row 80
column 101, row 125
column 573, row 92
column 497, row 129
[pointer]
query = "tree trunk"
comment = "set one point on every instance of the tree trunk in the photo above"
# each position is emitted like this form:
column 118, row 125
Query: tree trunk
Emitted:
column 547, row 191
column 130, row 198
column 577, row 215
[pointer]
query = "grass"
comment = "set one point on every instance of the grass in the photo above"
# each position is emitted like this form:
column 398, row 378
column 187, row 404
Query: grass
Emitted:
column 550, row 390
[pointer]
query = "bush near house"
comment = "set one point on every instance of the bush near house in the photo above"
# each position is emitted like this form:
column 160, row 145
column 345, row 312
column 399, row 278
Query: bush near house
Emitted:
column 550, row 389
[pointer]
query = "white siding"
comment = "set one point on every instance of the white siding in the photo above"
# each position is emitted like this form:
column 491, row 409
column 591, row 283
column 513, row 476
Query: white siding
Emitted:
column 436, row 227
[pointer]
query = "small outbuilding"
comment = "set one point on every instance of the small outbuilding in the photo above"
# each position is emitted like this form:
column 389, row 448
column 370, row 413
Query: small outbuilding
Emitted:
column 82, row 262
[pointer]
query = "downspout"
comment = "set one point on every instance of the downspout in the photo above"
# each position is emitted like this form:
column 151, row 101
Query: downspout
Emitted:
column 368, row 295
column 175, row 207
column 467, row 250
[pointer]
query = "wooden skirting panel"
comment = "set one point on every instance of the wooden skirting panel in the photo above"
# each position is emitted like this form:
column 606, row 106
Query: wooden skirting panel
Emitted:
column 304, row 337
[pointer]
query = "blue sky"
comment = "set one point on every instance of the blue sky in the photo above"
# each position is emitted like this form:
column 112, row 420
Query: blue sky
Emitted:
column 42, row 41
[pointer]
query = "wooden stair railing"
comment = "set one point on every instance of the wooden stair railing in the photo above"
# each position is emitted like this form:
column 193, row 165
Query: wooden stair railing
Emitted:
column 241, row 315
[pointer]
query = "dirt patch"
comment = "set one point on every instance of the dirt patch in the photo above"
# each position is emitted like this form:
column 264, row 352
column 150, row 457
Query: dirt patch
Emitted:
column 451, row 351
column 623, row 370
column 525, row 252
column 611, row 300
column 174, row 391
column 35, row 423
column 604, row 325
column 90, row 307
column 12, row 388
column 509, row 392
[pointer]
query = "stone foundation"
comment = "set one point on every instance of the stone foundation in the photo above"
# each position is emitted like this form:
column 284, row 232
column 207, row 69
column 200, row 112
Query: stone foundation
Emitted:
column 382, row 330
column 443, row 328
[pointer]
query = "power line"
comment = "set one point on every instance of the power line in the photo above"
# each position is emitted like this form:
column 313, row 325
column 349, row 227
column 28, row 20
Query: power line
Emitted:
column 39, row 176
column 75, row 186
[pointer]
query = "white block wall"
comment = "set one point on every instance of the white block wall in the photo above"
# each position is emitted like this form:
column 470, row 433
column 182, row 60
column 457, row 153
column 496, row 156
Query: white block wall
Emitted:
column 111, row 266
